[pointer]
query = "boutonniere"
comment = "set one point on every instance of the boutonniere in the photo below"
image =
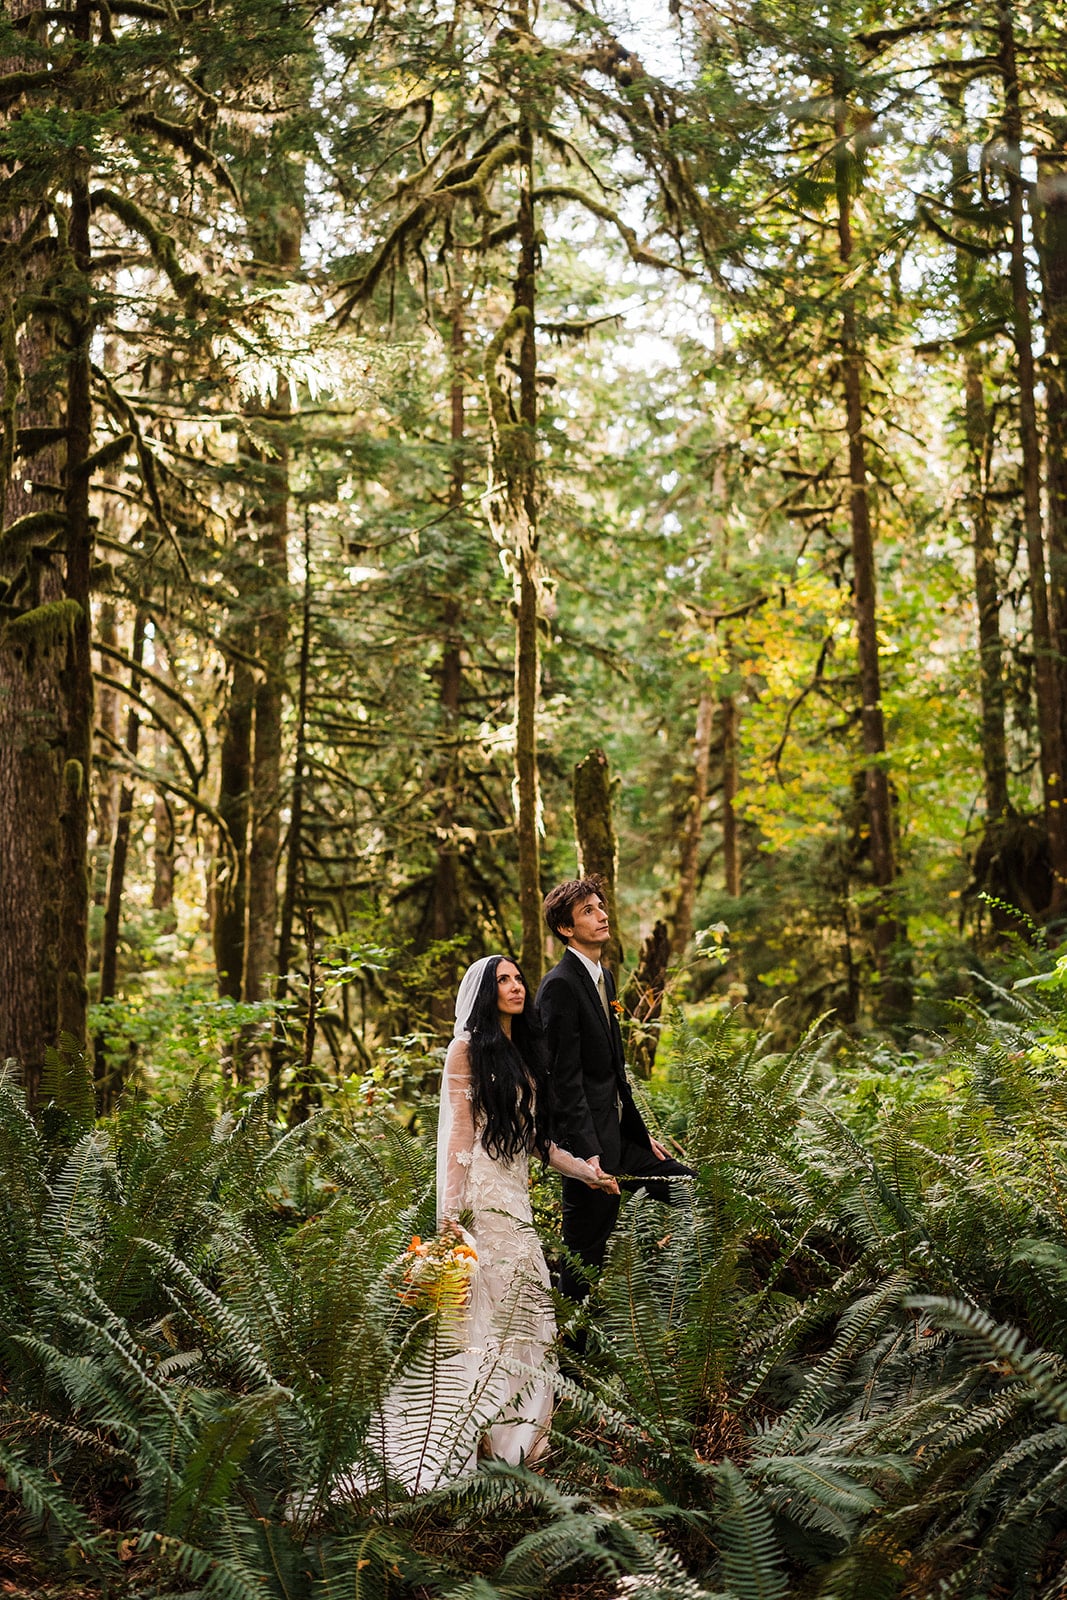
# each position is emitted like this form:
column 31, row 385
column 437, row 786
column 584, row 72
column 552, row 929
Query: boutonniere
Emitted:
column 618, row 1008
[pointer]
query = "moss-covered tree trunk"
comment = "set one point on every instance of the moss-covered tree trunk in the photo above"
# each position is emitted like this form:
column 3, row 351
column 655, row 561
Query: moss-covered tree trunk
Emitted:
column 1049, row 722
column 512, row 505
column 987, row 602
column 594, row 833
column 280, row 1048
column 264, row 838
column 642, row 999
column 444, row 919
column 731, row 835
column 693, row 827
column 230, row 884
column 46, row 686
column 105, row 787
column 887, row 930
column 109, row 951
column 1052, row 234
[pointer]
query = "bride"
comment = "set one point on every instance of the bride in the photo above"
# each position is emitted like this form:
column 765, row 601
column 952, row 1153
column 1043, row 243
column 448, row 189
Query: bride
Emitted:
column 481, row 1385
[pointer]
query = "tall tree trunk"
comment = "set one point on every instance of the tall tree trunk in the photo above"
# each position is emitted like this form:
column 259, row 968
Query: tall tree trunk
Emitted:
column 78, row 670
column 272, row 523
column 731, row 841
column 1052, row 237
column 106, row 786
column 444, row 909
column 163, row 849
column 277, row 235
column 512, row 506
column 887, row 930
column 642, row 1000
column 293, row 854
column 595, row 838
column 231, row 879
column 693, row 831
column 1047, row 677
column 527, row 636
column 45, row 667
column 109, row 953
column 987, row 602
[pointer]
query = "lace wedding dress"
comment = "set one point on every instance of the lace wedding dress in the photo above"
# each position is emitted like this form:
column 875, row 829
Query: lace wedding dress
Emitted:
column 480, row 1382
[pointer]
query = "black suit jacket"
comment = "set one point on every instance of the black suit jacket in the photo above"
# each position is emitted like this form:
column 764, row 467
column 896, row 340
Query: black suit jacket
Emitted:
column 586, row 1064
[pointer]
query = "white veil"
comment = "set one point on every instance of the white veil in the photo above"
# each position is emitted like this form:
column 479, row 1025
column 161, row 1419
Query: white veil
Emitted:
column 465, row 998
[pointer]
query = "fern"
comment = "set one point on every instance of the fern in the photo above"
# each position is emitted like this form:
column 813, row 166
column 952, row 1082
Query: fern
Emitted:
column 749, row 1553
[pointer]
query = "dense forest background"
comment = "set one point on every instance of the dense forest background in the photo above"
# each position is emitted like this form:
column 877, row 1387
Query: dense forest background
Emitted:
column 403, row 405
column 445, row 447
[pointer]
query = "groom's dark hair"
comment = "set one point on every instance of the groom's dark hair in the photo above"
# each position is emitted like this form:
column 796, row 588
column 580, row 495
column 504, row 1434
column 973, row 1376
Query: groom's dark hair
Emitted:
column 560, row 902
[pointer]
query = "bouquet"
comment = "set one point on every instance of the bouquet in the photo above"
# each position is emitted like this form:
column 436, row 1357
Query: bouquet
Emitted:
column 439, row 1272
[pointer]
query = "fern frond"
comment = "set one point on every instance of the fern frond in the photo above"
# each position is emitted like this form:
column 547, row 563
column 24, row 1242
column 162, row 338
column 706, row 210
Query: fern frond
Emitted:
column 748, row 1550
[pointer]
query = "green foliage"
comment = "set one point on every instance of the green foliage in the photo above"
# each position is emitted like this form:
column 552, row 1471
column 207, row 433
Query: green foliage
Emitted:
column 840, row 1366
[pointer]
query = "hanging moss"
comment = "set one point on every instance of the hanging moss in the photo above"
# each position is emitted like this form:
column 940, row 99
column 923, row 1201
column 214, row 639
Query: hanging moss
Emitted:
column 44, row 626
column 35, row 525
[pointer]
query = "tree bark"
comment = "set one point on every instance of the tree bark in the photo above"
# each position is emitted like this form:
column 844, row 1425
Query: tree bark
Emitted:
column 887, row 930
column 1049, row 720
column 527, row 628
column 272, row 524
column 106, row 786
column 643, row 999
column 1052, row 238
column 512, row 508
column 78, row 669
column 279, row 1048
column 986, row 584
column 109, row 952
column 444, row 908
column 987, row 602
column 731, row 841
column 46, row 697
column 595, row 839
column 276, row 231
column 693, row 831
column 163, row 847
column 231, row 882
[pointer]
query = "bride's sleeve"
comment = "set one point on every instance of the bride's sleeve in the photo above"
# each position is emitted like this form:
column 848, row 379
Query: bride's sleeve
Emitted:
column 568, row 1166
column 455, row 1132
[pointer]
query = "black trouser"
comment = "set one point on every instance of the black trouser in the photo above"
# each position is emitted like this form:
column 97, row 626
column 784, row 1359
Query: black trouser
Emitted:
column 589, row 1215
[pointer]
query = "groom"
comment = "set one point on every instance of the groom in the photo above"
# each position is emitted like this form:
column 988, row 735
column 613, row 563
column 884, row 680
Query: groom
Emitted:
column 596, row 1115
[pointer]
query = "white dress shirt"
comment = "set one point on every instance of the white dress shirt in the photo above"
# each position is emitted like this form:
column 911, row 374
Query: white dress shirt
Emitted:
column 594, row 969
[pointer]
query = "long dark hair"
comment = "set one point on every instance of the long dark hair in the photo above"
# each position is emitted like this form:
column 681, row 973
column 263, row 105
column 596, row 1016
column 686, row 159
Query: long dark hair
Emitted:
column 509, row 1076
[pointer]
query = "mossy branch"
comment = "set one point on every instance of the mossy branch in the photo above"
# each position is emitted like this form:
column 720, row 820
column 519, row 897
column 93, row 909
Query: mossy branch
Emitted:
column 107, row 455
column 122, row 762
column 13, row 85
column 196, row 775
column 121, row 409
column 638, row 252
column 177, row 134
column 186, row 285
column 517, row 321
column 165, row 688
column 45, row 626
column 35, row 525
column 420, row 217
column 31, row 441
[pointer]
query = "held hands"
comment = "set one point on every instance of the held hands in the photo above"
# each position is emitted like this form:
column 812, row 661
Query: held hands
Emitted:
column 598, row 1178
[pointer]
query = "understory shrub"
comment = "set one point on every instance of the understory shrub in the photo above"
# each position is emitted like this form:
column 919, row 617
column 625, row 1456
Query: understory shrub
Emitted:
column 839, row 1369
